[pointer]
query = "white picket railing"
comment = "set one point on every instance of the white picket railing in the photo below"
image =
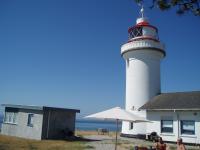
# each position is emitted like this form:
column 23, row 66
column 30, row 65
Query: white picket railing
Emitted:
column 142, row 44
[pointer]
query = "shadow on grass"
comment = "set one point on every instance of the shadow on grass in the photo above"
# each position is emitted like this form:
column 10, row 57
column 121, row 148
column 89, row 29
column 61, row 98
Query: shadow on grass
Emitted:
column 80, row 139
column 3, row 147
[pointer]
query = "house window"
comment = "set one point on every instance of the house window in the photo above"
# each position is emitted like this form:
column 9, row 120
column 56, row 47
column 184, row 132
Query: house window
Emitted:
column 10, row 117
column 167, row 126
column 30, row 120
column 131, row 125
column 187, row 127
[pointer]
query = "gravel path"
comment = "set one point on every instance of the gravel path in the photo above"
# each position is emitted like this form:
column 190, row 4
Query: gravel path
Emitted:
column 105, row 142
column 101, row 142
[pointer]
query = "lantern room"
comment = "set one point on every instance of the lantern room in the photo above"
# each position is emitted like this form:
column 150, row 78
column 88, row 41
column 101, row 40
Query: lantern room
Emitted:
column 143, row 30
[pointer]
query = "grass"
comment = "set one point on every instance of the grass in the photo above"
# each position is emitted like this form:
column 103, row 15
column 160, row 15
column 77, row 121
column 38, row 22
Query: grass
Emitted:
column 14, row 143
column 82, row 133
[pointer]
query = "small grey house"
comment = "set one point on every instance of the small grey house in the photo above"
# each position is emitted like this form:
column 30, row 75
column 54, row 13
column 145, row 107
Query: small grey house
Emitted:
column 36, row 122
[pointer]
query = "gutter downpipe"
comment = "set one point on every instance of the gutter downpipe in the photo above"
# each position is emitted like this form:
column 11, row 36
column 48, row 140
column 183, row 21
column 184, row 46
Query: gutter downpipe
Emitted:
column 178, row 121
column 49, row 115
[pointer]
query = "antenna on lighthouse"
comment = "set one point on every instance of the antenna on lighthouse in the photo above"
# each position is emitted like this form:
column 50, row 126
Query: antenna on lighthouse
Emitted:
column 142, row 17
column 142, row 9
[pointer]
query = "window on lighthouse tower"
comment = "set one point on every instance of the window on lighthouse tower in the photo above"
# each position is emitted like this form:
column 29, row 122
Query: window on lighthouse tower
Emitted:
column 143, row 31
column 136, row 32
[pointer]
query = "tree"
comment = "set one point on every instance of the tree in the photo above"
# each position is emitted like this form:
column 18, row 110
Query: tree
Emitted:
column 182, row 6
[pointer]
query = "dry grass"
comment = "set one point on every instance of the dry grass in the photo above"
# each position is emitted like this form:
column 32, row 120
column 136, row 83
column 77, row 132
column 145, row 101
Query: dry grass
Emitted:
column 14, row 143
column 84, row 133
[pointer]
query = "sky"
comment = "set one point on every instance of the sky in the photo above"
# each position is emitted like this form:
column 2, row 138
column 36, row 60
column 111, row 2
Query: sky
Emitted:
column 67, row 53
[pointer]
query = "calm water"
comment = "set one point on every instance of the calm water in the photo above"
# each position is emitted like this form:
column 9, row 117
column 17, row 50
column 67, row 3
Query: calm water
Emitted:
column 90, row 125
column 94, row 125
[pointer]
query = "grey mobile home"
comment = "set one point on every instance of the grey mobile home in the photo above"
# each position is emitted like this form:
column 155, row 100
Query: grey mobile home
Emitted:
column 36, row 122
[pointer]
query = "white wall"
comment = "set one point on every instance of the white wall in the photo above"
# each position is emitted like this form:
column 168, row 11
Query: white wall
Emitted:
column 155, row 117
column 142, row 83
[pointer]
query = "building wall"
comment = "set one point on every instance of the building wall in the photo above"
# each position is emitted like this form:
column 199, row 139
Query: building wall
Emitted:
column 57, row 123
column 20, row 129
column 157, row 116
column 142, row 83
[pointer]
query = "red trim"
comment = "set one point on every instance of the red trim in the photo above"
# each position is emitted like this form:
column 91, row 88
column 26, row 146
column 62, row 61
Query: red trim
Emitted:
column 142, row 24
column 143, row 38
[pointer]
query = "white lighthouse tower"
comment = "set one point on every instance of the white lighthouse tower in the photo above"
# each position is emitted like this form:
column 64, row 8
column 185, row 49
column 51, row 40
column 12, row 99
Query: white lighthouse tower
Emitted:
column 142, row 53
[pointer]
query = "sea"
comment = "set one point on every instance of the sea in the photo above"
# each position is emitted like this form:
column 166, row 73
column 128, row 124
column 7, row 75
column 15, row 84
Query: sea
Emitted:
column 89, row 125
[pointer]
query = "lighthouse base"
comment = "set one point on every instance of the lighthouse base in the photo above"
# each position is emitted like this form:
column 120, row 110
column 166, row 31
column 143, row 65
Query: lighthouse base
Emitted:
column 138, row 136
column 135, row 129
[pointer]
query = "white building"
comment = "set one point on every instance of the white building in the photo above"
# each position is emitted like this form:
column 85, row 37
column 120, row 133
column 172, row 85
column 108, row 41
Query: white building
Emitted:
column 173, row 115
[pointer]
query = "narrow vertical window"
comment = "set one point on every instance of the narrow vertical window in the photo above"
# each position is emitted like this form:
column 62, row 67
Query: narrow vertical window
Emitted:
column 6, row 117
column 131, row 125
column 10, row 117
column 30, row 120
column 15, row 117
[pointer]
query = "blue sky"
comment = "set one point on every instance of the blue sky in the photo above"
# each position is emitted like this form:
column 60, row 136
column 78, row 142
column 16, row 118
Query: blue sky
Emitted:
column 67, row 53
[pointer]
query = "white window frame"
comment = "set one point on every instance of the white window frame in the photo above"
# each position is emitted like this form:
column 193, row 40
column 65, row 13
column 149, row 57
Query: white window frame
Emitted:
column 10, row 117
column 182, row 126
column 162, row 126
